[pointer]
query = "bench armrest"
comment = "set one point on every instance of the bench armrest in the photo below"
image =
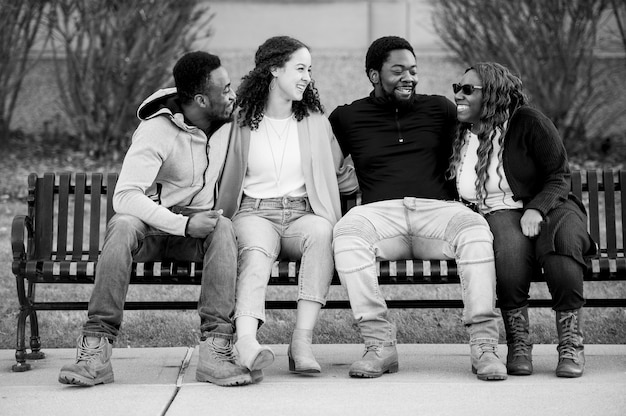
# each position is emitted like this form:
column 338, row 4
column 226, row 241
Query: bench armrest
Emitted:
column 21, row 229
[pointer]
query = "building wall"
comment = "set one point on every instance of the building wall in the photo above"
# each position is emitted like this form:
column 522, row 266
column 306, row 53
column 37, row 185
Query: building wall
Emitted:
column 347, row 25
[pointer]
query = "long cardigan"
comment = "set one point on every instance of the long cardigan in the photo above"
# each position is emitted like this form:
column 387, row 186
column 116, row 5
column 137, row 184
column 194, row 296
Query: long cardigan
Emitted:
column 536, row 167
column 325, row 172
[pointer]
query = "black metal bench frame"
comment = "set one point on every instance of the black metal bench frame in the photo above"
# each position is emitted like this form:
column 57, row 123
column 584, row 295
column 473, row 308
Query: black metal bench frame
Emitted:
column 60, row 237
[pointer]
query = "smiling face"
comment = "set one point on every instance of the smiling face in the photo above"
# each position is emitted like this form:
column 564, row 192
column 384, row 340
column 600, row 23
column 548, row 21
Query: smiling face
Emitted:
column 468, row 107
column 397, row 78
column 294, row 76
column 221, row 98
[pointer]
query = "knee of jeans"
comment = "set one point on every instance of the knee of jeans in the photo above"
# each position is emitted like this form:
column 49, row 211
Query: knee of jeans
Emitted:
column 121, row 225
column 322, row 231
column 224, row 226
column 466, row 228
column 354, row 226
column 354, row 238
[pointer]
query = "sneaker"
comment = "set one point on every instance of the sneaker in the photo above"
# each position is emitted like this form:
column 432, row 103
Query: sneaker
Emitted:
column 92, row 366
column 216, row 364
column 377, row 360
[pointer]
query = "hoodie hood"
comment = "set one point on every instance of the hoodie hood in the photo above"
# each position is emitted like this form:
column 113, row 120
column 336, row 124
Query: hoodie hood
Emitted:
column 163, row 101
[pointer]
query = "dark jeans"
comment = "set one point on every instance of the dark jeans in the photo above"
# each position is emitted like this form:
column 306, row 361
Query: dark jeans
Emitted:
column 517, row 261
column 128, row 238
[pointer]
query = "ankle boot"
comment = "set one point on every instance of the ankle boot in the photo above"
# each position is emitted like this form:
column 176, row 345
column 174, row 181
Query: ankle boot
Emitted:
column 570, row 348
column 378, row 359
column 253, row 355
column 519, row 357
column 300, row 353
column 485, row 362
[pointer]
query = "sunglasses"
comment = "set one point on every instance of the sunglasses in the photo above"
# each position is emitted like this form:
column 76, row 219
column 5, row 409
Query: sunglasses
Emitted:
column 466, row 88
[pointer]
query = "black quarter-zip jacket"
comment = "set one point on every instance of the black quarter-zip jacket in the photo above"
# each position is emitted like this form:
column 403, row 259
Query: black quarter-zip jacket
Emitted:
column 398, row 149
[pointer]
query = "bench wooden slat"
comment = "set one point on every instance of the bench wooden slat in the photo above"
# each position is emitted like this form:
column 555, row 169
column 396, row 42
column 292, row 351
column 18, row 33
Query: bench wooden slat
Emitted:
column 44, row 215
column 80, row 181
column 110, row 189
column 622, row 202
column 609, row 213
column 593, row 212
column 62, row 218
column 577, row 185
column 94, row 216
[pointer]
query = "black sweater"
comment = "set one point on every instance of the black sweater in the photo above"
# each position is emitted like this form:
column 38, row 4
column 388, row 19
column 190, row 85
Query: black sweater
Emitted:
column 535, row 161
column 398, row 150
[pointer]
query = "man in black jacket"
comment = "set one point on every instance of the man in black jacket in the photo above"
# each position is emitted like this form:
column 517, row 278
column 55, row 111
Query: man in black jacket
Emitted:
column 400, row 143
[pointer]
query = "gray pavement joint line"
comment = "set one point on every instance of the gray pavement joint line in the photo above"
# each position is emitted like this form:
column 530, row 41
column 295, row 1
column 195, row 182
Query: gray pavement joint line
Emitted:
column 179, row 380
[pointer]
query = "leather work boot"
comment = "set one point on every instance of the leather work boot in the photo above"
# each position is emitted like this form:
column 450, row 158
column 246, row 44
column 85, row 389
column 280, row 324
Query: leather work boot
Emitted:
column 216, row 363
column 377, row 360
column 485, row 362
column 519, row 360
column 93, row 363
column 570, row 348
column 300, row 353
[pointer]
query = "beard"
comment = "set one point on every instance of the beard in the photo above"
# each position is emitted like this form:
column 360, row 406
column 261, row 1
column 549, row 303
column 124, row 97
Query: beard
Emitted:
column 399, row 102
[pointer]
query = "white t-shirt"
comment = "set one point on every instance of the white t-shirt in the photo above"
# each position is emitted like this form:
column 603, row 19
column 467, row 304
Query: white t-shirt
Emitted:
column 274, row 168
column 499, row 194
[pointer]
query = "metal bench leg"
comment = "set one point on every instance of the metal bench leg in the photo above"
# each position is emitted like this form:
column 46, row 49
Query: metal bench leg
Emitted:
column 35, row 343
column 20, row 350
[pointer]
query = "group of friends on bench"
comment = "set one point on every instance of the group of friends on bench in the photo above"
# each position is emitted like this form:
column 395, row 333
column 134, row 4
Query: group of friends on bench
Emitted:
column 238, row 180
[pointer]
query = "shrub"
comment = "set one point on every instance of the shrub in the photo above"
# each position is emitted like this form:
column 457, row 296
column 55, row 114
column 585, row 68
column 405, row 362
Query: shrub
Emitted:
column 20, row 21
column 550, row 44
column 111, row 54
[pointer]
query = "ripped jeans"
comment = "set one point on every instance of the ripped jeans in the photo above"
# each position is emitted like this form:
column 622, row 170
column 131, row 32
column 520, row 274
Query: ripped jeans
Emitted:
column 284, row 228
column 423, row 229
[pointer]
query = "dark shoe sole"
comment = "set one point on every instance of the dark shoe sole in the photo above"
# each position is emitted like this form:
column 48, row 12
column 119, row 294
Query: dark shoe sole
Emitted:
column 393, row 368
column 240, row 380
column 489, row 377
column 78, row 380
column 568, row 374
column 519, row 371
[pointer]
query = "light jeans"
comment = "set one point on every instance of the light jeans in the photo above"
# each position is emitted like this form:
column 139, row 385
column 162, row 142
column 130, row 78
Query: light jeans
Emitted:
column 423, row 229
column 128, row 238
column 284, row 228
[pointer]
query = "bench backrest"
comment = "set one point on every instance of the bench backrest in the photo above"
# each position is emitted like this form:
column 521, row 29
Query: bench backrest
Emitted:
column 70, row 212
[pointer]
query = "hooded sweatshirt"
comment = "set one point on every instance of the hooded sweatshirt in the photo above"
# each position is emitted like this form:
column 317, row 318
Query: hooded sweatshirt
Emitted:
column 166, row 172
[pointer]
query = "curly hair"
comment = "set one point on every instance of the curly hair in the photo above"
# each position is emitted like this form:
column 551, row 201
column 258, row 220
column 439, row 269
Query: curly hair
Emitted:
column 378, row 52
column 254, row 89
column 192, row 73
column 502, row 95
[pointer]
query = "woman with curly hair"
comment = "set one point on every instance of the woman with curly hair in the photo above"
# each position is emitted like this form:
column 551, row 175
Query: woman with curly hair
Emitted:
column 510, row 164
column 282, row 177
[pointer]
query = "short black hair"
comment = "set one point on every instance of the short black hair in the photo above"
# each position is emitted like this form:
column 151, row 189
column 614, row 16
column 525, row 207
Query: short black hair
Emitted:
column 378, row 51
column 192, row 73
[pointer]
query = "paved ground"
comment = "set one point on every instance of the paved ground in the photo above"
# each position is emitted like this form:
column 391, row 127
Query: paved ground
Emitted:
column 433, row 380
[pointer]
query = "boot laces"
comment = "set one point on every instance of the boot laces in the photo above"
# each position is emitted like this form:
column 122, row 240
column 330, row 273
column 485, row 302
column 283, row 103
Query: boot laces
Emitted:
column 221, row 352
column 375, row 348
column 517, row 324
column 486, row 348
column 567, row 346
column 88, row 353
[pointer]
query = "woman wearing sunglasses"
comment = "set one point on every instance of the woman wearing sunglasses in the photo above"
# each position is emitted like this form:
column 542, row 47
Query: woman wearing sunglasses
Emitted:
column 510, row 164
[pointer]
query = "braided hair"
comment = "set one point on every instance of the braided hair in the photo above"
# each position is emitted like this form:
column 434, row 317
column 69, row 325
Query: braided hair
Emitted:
column 502, row 96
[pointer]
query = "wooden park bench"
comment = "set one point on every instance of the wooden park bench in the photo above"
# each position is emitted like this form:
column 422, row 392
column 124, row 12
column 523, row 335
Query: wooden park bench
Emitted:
column 59, row 239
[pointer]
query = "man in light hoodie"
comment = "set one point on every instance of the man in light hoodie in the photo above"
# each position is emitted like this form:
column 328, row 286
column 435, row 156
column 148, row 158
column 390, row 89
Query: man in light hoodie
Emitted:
column 164, row 203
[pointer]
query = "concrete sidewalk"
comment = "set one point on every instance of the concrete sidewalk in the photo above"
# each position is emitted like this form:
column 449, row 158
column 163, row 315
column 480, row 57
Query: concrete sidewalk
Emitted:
column 433, row 380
